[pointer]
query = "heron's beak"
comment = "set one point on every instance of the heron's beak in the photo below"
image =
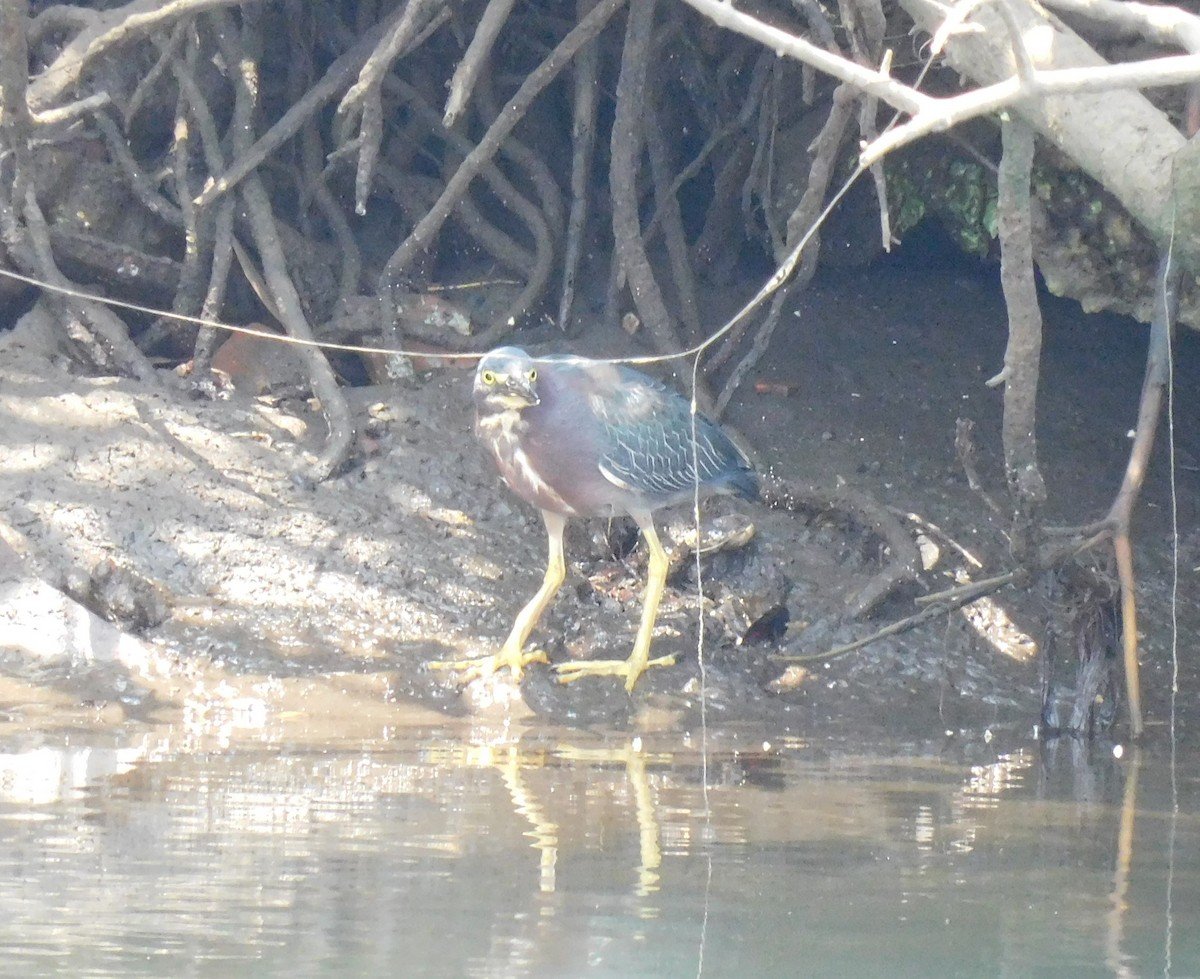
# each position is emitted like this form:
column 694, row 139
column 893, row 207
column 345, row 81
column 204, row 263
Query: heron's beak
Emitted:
column 514, row 391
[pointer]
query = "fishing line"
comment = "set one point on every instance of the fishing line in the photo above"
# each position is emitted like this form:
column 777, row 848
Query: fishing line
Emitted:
column 1174, row 776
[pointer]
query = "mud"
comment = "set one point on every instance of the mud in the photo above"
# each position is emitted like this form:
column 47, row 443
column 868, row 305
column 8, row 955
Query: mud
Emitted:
column 255, row 594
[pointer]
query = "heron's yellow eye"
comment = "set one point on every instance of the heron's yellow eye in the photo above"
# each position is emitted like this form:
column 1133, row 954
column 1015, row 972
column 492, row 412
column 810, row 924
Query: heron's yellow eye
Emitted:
column 532, row 374
column 489, row 377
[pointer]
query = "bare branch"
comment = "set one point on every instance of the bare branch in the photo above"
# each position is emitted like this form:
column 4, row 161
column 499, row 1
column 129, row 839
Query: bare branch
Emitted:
column 627, row 141
column 72, row 110
column 946, row 113
column 486, row 32
column 364, row 100
column 583, row 145
column 106, row 31
column 514, row 109
column 1023, row 356
column 283, row 294
column 782, row 43
column 1159, row 23
column 336, row 77
column 976, row 54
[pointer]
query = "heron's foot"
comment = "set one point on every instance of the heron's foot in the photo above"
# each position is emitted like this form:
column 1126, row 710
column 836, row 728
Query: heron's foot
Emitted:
column 630, row 669
column 482, row 667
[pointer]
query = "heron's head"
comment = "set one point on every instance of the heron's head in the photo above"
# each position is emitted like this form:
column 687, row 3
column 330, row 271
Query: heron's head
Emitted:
column 506, row 380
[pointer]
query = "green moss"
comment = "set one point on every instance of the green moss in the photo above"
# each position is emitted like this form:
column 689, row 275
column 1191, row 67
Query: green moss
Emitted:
column 959, row 192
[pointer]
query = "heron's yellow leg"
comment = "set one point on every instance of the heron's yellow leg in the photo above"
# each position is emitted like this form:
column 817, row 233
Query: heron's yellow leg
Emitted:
column 512, row 654
column 639, row 660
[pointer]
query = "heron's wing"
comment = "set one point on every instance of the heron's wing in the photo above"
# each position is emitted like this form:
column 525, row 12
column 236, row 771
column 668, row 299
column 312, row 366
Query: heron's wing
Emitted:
column 648, row 428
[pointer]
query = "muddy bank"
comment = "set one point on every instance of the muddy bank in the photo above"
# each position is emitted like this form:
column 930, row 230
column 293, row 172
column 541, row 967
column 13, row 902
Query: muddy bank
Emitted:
column 188, row 523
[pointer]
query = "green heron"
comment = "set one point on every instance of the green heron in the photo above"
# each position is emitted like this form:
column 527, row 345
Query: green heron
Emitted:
column 586, row 438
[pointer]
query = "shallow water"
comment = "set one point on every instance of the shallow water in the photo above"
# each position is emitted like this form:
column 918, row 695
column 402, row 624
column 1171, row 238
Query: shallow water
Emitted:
column 451, row 848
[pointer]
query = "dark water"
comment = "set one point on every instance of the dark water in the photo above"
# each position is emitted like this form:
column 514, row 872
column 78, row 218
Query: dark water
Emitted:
column 458, row 850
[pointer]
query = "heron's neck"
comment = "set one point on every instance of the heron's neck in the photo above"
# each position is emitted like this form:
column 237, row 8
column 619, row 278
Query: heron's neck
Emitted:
column 502, row 429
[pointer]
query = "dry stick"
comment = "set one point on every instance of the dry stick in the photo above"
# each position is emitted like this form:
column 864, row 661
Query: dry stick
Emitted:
column 218, row 279
column 190, row 291
column 422, row 235
column 869, row 27
column 364, row 100
column 61, row 114
column 106, row 31
column 536, row 169
column 312, row 153
column 628, row 130
column 944, row 606
column 1157, row 377
column 221, row 245
column 537, row 271
column 286, row 300
column 964, row 448
column 187, row 292
column 761, row 175
column 184, row 73
column 869, row 131
column 186, row 299
column 335, row 79
column 825, row 151
column 482, row 42
column 144, row 189
column 416, row 195
column 583, row 145
column 1023, row 354
column 83, row 316
column 29, row 245
column 678, row 252
column 166, row 58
